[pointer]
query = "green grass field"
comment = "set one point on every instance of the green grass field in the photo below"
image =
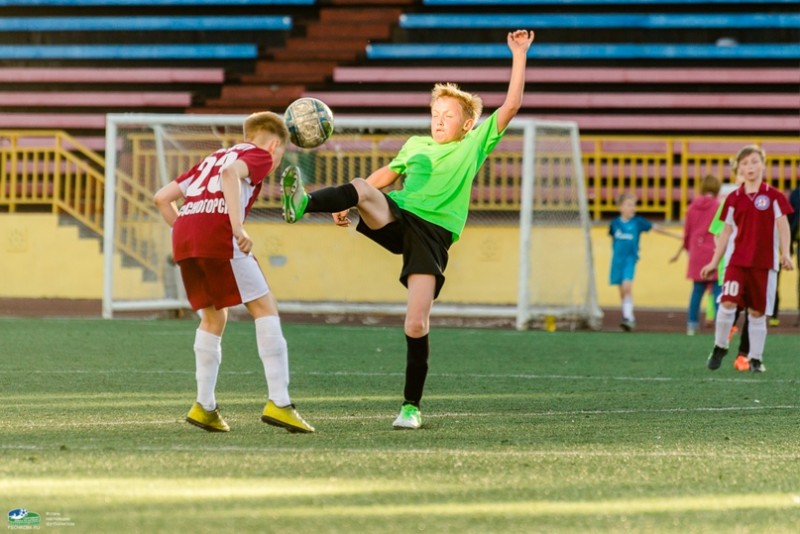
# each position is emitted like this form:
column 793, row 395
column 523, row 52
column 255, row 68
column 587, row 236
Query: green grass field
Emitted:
column 523, row 432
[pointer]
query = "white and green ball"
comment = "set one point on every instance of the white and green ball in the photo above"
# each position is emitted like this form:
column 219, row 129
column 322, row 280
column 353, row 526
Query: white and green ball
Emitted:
column 310, row 122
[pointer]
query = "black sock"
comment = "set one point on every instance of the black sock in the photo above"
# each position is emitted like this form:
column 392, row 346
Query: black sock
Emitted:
column 744, row 336
column 416, row 368
column 332, row 199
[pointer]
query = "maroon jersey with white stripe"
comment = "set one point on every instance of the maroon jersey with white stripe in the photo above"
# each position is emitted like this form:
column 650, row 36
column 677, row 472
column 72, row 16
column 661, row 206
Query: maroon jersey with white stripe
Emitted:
column 203, row 229
column 755, row 235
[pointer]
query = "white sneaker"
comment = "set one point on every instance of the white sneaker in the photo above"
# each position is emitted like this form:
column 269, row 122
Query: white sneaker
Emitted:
column 409, row 418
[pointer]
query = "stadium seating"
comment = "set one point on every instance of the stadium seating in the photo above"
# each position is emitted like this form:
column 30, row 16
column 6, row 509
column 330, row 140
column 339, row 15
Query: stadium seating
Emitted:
column 550, row 75
column 615, row 66
column 89, row 75
column 632, row 85
column 600, row 20
column 65, row 71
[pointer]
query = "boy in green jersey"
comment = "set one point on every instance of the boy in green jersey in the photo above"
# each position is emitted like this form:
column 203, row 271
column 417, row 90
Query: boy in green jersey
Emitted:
column 421, row 220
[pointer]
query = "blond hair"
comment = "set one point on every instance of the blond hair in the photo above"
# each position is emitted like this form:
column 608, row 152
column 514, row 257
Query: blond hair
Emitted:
column 625, row 196
column 265, row 122
column 471, row 105
column 746, row 151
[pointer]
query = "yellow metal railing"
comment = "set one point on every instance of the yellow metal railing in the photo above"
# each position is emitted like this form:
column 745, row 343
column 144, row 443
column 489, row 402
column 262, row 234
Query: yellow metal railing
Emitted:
column 51, row 170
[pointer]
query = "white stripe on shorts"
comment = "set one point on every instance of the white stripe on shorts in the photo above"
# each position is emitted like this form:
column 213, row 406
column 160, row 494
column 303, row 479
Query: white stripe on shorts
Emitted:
column 250, row 281
column 772, row 287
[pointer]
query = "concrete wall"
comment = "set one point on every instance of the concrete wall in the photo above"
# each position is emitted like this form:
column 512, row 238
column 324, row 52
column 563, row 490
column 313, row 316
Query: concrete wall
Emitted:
column 308, row 261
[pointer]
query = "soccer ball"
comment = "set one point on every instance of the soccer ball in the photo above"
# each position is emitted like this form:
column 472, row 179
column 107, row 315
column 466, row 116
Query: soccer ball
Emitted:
column 310, row 122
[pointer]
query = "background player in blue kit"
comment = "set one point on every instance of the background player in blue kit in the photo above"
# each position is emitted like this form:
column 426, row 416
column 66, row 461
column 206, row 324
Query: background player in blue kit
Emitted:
column 624, row 231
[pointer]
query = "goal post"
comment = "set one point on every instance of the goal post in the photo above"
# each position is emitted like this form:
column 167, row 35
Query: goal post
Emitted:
column 529, row 191
column 554, row 197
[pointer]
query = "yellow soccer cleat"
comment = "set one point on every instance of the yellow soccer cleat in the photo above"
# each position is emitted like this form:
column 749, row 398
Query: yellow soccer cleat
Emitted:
column 211, row 421
column 286, row 417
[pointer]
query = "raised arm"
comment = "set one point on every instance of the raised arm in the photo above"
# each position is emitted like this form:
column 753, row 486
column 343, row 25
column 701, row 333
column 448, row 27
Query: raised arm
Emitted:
column 519, row 42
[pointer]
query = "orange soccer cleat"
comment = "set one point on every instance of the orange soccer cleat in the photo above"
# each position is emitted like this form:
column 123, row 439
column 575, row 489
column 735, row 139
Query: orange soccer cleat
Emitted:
column 741, row 363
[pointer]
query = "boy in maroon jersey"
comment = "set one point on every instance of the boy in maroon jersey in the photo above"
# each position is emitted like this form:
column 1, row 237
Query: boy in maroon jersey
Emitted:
column 213, row 250
column 755, row 218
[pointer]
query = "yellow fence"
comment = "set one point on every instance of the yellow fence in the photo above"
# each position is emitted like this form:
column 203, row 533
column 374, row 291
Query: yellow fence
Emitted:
column 42, row 169
column 51, row 170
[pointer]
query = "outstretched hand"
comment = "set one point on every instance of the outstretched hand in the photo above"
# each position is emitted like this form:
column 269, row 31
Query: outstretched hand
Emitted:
column 520, row 40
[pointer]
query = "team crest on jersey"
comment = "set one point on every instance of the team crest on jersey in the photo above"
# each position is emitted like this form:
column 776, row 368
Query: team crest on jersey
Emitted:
column 761, row 202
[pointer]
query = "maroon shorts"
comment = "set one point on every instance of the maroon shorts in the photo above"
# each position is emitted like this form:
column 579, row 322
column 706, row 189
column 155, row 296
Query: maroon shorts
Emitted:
column 222, row 283
column 750, row 288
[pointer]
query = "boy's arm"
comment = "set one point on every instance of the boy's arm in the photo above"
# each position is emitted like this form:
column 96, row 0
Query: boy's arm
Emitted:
column 382, row 177
column 657, row 228
column 230, row 181
column 784, row 239
column 519, row 42
column 165, row 199
column 677, row 254
column 719, row 251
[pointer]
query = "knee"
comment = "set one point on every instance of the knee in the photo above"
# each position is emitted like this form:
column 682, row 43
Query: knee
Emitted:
column 213, row 321
column 416, row 326
column 361, row 186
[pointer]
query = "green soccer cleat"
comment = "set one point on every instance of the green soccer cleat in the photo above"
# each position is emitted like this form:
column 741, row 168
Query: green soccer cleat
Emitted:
column 410, row 418
column 294, row 197
column 211, row 421
column 286, row 417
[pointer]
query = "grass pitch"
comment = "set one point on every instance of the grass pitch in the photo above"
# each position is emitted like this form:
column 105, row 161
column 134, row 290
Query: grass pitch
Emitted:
column 523, row 432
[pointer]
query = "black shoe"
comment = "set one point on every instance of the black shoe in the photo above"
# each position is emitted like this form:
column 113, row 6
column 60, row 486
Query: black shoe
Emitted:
column 757, row 367
column 715, row 358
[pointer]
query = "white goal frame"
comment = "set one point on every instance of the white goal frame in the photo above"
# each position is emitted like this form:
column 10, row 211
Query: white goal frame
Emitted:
column 523, row 313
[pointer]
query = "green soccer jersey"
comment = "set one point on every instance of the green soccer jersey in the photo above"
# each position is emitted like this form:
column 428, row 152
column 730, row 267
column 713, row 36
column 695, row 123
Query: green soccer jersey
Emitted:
column 716, row 228
column 438, row 177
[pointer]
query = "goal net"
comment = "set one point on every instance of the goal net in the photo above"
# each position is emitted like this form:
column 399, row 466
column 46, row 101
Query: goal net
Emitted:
column 525, row 257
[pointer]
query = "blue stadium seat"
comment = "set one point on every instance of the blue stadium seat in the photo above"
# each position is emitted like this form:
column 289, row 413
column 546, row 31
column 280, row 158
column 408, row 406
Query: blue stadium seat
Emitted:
column 151, row 51
column 151, row 3
column 606, row 20
column 126, row 23
column 585, row 51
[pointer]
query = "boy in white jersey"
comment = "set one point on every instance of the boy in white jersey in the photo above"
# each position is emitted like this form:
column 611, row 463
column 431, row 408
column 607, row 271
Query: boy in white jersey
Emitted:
column 213, row 250
column 421, row 220
column 755, row 218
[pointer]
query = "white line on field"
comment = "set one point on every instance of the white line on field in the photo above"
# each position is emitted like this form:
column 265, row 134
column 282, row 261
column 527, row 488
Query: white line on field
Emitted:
column 518, row 376
column 442, row 415
column 478, row 453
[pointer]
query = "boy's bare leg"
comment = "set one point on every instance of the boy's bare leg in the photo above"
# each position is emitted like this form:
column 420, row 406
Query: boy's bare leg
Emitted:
column 421, row 289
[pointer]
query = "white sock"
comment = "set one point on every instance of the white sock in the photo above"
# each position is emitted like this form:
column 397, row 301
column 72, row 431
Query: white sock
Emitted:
column 725, row 317
column 274, row 354
column 627, row 308
column 207, row 357
column 758, row 336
